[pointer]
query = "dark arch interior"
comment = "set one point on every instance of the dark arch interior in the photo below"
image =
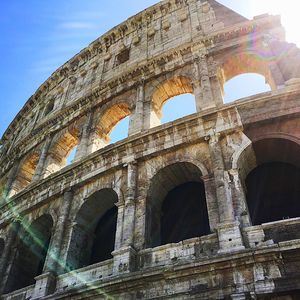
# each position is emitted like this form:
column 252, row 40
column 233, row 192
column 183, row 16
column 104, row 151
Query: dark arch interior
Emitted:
column 273, row 192
column 30, row 254
column 93, row 237
column 184, row 213
column 104, row 240
column 1, row 247
column 272, row 188
column 176, row 205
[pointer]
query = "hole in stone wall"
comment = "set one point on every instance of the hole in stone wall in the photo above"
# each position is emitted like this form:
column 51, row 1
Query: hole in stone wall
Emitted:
column 113, row 124
column 104, row 236
column 71, row 156
column 30, row 254
column 272, row 184
column 62, row 151
column 184, row 213
column 120, row 131
column 245, row 85
column 178, row 107
column 273, row 192
column 95, row 228
column 122, row 57
column 176, row 205
column 25, row 173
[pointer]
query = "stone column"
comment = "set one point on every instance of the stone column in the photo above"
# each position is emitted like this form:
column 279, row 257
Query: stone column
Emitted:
column 217, row 82
column 128, row 226
column 42, row 160
column 54, row 262
column 7, row 254
column 229, row 233
column 120, row 221
column 217, row 90
column 82, row 148
column 136, row 122
column 223, row 196
column 10, row 180
column 95, row 141
column 239, row 198
column 124, row 257
column 202, row 86
column 211, row 203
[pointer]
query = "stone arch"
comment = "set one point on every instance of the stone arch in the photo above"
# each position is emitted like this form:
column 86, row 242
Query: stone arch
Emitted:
column 241, row 62
column 276, row 157
column 94, row 226
column 107, row 117
column 25, row 172
column 182, row 178
column 111, row 116
column 182, row 159
column 173, row 85
column 61, row 146
column 110, row 182
column 31, row 252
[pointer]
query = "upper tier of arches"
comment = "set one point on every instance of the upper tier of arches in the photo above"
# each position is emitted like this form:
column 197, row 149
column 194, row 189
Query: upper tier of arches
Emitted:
column 103, row 63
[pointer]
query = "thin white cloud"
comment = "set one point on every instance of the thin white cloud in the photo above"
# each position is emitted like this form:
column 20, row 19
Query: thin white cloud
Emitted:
column 77, row 25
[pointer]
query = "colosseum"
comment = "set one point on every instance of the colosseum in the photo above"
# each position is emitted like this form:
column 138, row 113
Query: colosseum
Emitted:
column 203, row 207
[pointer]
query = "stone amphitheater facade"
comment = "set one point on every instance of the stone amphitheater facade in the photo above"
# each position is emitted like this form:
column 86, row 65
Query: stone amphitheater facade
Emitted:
column 104, row 227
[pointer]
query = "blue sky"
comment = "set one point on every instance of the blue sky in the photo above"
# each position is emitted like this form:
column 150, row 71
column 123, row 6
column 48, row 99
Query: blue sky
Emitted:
column 39, row 36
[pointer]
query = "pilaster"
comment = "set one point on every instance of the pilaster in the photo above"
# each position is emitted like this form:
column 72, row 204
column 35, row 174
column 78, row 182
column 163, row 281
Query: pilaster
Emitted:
column 136, row 123
column 229, row 233
column 10, row 179
column 129, row 209
column 82, row 149
column 239, row 198
column 42, row 160
column 7, row 254
column 54, row 262
column 202, row 86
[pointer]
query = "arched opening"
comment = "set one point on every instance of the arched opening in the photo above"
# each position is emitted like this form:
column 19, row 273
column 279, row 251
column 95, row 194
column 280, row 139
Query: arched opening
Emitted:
column 30, row 254
column 246, row 73
column 245, row 85
column 178, row 107
column 120, row 131
column 62, row 151
column 176, row 205
column 273, row 190
column 95, row 228
column 25, row 173
column 113, row 125
column 71, row 156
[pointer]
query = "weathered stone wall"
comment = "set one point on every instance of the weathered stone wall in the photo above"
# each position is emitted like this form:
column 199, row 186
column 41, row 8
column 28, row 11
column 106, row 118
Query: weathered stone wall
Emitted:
column 172, row 48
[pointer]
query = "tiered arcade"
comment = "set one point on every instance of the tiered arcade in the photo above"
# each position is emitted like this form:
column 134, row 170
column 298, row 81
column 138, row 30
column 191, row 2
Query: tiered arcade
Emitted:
column 205, row 207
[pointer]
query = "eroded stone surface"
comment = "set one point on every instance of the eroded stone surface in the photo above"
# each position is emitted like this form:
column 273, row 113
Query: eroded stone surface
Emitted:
column 174, row 47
